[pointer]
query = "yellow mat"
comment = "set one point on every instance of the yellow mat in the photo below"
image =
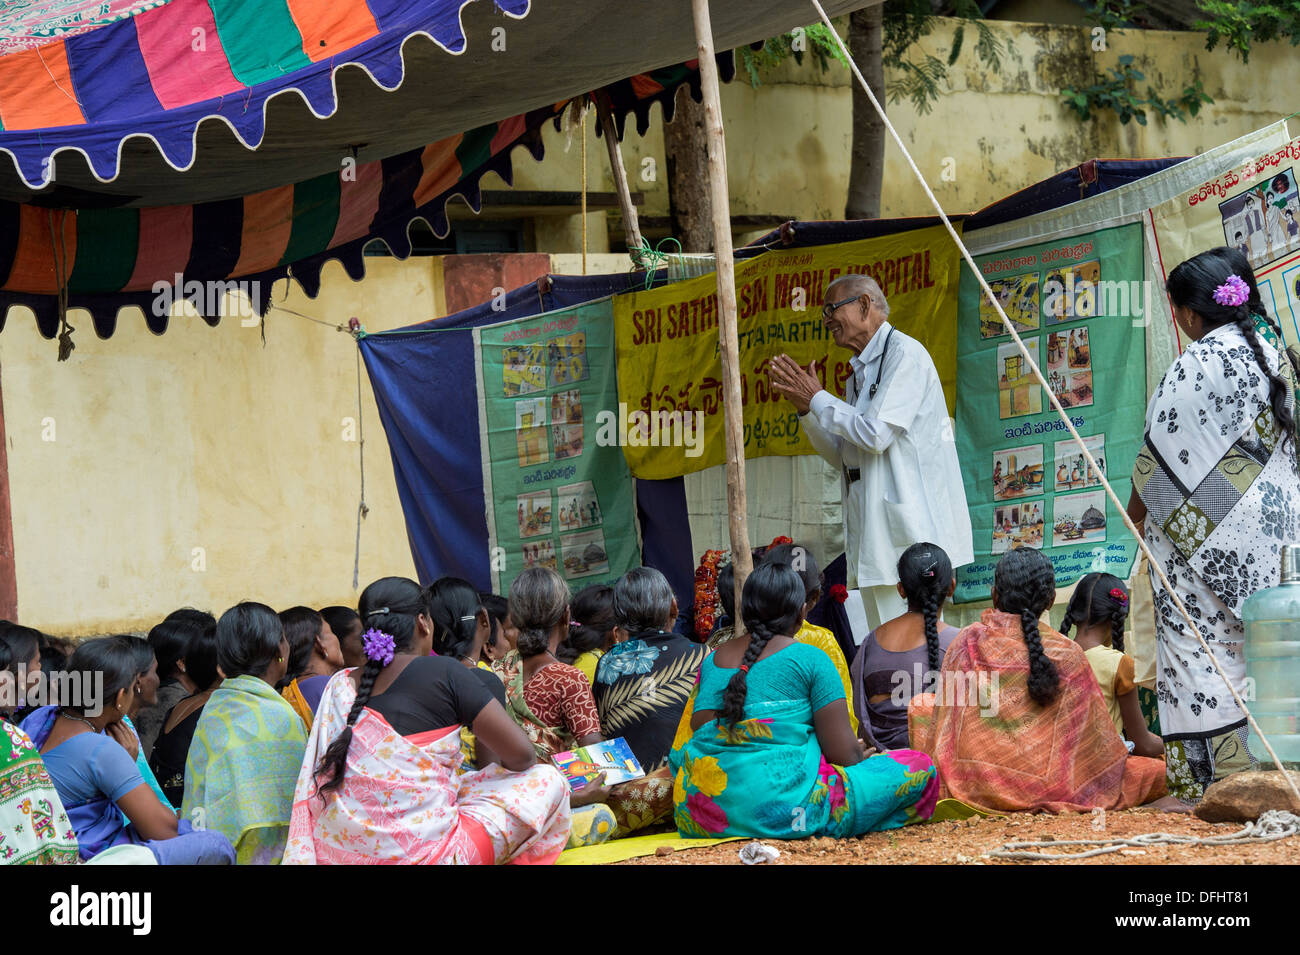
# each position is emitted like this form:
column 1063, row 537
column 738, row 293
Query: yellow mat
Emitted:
column 617, row 850
column 948, row 810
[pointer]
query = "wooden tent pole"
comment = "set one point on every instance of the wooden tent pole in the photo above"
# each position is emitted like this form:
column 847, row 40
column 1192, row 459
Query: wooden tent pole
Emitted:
column 631, row 225
column 729, row 341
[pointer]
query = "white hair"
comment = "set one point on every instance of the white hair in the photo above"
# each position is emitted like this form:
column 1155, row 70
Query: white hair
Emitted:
column 863, row 285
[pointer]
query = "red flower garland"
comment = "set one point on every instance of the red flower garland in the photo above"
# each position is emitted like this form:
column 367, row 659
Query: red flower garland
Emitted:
column 839, row 593
column 706, row 593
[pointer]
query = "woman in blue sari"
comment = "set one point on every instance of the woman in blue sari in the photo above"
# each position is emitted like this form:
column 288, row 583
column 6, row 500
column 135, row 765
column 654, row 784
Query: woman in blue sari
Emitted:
column 89, row 754
column 772, row 753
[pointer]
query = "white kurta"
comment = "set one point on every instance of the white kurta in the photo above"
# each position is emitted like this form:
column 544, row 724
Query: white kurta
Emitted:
column 911, row 487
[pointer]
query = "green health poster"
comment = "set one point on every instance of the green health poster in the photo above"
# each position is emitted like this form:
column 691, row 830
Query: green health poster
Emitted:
column 555, row 497
column 1078, row 304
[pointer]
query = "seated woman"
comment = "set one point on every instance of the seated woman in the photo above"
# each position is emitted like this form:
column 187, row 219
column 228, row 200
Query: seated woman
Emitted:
column 381, row 780
column 314, row 657
column 771, row 753
column 85, row 750
column 146, row 698
column 346, row 625
column 247, row 749
column 173, row 745
column 461, row 626
column 803, row 562
column 902, row 657
column 20, row 668
column 1038, row 736
column 32, row 818
column 169, row 641
column 504, row 635
column 1099, row 608
column 643, row 683
column 591, row 631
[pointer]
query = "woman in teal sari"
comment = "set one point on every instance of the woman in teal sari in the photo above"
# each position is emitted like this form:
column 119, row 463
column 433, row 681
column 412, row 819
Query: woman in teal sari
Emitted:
column 772, row 753
column 248, row 748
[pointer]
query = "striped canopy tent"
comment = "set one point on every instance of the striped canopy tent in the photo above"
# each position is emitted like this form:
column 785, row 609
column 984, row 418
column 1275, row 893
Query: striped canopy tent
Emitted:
column 247, row 140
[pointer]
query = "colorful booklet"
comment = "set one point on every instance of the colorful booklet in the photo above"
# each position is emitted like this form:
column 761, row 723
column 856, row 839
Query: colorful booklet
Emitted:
column 613, row 757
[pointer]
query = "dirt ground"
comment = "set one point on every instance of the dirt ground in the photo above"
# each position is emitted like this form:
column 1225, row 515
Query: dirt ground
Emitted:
column 967, row 842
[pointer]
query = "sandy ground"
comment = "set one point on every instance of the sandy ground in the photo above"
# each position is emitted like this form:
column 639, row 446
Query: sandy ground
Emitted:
column 967, row 842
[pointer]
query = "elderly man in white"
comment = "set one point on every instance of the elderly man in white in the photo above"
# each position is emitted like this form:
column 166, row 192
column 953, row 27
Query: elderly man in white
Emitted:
column 891, row 441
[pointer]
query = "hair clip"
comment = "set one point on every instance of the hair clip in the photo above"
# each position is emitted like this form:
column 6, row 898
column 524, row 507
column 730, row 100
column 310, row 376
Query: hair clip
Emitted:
column 378, row 610
column 1119, row 596
column 469, row 617
column 574, row 625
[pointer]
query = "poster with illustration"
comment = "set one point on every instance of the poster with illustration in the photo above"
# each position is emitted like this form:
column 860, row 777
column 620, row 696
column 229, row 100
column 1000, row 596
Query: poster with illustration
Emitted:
column 584, row 554
column 523, row 370
column 534, row 514
column 578, row 506
column 555, row 495
column 1018, row 390
column 1019, row 297
column 1073, row 472
column 1027, row 481
column 530, row 432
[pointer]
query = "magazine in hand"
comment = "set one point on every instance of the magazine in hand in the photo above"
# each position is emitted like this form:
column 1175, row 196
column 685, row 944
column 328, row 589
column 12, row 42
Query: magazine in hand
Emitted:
column 613, row 757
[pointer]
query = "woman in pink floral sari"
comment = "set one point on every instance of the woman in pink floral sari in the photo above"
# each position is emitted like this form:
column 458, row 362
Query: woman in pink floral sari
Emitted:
column 381, row 781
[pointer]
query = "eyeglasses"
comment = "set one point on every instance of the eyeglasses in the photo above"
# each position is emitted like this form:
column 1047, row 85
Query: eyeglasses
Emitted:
column 829, row 308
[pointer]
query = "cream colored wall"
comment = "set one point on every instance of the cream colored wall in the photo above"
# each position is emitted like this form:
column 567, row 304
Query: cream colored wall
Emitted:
column 201, row 438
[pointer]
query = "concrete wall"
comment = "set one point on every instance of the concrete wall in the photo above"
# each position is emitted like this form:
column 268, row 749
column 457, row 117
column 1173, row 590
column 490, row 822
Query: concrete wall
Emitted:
column 140, row 449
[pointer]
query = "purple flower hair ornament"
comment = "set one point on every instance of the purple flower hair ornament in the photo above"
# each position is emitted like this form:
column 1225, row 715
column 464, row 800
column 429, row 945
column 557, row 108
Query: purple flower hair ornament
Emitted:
column 378, row 646
column 1232, row 292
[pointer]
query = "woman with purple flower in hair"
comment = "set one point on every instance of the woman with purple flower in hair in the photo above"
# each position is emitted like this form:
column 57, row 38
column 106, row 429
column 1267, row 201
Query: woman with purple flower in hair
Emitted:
column 1215, row 489
column 384, row 779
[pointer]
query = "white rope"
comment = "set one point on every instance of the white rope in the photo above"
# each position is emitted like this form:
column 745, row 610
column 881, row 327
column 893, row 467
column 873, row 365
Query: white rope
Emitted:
column 1271, row 826
column 993, row 300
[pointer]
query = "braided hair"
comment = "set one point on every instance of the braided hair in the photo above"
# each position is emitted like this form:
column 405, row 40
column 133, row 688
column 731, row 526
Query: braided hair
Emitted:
column 1094, row 602
column 390, row 605
column 452, row 606
column 1025, row 584
column 593, row 619
column 771, row 606
column 1191, row 285
column 925, row 572
column 539, row 600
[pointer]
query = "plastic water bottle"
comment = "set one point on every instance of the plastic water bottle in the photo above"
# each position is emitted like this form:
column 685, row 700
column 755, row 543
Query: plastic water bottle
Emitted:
column 1272, row 620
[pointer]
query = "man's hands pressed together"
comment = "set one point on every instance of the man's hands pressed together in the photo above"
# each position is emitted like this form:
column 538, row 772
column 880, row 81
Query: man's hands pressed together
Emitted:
column 797, row 383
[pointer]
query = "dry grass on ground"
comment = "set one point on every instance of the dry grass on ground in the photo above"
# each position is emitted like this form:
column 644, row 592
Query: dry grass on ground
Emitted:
column 965, row 843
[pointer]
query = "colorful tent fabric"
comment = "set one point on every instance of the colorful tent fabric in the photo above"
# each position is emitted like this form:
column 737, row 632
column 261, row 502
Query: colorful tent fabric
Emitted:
column 229, row 140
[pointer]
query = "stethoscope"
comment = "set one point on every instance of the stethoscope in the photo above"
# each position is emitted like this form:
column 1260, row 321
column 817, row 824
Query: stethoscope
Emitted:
column 871, row 392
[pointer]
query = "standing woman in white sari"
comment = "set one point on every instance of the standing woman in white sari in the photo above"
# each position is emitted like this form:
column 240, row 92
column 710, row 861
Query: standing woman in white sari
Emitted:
column 1216, row 484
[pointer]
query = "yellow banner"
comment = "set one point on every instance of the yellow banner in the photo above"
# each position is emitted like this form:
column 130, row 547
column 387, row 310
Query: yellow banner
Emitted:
column 669, row 375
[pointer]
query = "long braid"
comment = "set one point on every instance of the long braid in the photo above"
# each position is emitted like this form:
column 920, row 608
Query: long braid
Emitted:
column 335, row 759
column 733, row 698
column 1025, row 585
column 771, row 606
column 392, row 606
column 1044, row 682
column 1278, row 393
column 930, row 603
column 1117, row 617
column 925, row 572
column 1074, row 613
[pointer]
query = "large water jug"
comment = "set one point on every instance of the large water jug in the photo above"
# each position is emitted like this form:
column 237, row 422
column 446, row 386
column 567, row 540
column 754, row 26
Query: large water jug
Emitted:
column 1272, row 619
